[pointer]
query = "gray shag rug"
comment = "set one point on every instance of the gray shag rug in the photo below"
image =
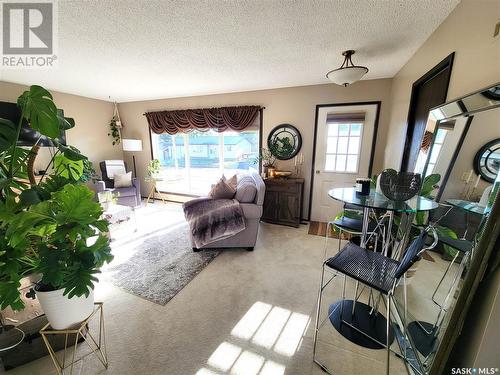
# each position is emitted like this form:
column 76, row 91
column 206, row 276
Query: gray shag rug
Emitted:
column 159, row 266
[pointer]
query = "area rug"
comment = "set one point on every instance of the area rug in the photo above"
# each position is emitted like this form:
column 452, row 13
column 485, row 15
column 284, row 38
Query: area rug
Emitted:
column 157, row 266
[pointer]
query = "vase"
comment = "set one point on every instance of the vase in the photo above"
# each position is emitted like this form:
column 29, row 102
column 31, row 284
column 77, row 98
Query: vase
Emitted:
column 63, row 312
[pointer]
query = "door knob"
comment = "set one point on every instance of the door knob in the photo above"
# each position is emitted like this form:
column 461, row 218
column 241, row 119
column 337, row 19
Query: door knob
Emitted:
column 317, row 171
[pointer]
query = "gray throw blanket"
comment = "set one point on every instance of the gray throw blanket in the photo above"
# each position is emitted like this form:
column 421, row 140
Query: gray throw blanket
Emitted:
column 212, row 220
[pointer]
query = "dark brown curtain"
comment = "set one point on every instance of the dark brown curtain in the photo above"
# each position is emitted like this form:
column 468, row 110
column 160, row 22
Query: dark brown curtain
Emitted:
column 218, row 119
column 427, row 141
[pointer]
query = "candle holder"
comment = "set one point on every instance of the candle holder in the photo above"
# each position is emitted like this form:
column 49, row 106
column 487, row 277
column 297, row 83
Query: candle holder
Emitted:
column 299, row 161
column 271, row 172
column 470, row 187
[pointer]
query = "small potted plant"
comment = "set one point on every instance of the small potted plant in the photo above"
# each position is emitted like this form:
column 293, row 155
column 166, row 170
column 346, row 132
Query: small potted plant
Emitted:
column 267, row 158
column 154, row 168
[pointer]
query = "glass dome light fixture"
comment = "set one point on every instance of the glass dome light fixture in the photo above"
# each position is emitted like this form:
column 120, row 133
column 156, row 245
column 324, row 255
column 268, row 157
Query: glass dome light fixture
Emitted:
column 348, row 73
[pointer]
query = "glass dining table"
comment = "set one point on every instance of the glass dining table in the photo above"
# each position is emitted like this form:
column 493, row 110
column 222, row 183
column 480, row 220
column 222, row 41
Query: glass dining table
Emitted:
column 468, row 206
column 364, row 323
column 378, row 201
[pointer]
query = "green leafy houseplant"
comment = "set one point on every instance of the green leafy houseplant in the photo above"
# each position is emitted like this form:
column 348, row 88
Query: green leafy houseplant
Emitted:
column 46, row 227
column 114, row 131
column 429, row 184
column 154, row 168
column 266, row 157
column 58, row 233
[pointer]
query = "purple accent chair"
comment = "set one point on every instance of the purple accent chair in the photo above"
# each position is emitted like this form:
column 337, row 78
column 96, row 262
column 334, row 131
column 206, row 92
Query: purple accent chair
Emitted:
column 129, row 196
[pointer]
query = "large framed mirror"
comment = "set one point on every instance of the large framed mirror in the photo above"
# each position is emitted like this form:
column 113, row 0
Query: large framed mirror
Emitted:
column 440, row 292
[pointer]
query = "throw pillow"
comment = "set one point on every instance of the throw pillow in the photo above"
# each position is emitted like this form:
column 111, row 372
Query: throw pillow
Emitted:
column 233, row 182
column 222, row 190
column 123, row 180
column 246, row 190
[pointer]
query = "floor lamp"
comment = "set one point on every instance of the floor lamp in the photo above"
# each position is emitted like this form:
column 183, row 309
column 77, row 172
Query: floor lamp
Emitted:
column 132, row 145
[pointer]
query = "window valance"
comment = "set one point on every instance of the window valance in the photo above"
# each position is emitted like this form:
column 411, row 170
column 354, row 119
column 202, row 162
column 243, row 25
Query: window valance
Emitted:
column 218, row 119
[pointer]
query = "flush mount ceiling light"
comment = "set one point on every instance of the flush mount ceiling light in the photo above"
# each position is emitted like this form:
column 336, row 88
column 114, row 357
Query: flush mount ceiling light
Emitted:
column 348, row 73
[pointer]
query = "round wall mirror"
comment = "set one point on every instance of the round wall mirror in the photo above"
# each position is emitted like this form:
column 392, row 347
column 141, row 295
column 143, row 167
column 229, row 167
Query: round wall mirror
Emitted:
column 284, row 141
column 487, row 160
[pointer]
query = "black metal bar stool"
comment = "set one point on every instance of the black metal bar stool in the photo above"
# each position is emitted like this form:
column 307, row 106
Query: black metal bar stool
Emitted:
column 375, row 271
column 352, row 226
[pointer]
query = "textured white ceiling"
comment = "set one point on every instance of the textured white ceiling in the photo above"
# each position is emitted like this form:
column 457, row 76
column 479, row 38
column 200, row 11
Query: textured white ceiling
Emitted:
column 135, row 50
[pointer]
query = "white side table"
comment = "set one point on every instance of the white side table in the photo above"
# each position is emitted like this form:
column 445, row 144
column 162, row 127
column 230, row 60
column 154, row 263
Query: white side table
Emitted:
column 116, row 214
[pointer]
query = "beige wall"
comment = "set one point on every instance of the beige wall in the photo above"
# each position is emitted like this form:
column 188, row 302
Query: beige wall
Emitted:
column 468, row 31
column 90, row 135
column 484, row 128
column 294, row 105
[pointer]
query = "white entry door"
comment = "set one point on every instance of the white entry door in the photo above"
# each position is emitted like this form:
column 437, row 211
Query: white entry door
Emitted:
column 344, row 139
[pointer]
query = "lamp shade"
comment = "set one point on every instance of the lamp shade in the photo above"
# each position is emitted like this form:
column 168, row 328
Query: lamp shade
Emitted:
column 348, row 75
column 132, row 144
column 348, row 72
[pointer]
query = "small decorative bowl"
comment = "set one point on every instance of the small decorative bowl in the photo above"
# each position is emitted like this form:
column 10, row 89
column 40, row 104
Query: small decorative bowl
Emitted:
column 282, row 173
column 400, row 186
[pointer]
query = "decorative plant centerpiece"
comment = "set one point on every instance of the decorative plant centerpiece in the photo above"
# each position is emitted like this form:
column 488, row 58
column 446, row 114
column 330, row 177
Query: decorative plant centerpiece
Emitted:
column 53, row 227
column 154, row 168
column 267, row 158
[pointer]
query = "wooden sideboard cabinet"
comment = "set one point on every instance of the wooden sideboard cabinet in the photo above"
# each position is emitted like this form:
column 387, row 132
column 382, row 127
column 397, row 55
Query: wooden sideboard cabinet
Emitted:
column 283, row 201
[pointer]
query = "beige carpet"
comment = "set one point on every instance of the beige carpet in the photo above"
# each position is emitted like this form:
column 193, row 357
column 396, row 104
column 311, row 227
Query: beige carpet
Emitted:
column 245, row 313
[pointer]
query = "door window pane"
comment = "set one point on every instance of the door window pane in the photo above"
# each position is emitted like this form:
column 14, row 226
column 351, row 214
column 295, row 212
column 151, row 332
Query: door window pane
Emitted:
column 356, row 129
column 330, row 163
column 352, row 163
column 343, row 129
column 440, row 135
column 331, row 145
column 353, row 145
column 343, row 147
column 333, row 129
column 436, row 149
column 340, row 165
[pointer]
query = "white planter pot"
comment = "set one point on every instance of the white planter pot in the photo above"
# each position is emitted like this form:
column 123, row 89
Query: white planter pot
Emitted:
column 63, row 312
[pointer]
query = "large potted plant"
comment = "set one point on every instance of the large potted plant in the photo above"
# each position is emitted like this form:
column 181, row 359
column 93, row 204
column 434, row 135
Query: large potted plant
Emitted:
column 52, row 227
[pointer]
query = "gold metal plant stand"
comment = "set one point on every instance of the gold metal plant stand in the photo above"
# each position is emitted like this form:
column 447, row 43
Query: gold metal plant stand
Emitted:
column 154, row 189
column 82, row 331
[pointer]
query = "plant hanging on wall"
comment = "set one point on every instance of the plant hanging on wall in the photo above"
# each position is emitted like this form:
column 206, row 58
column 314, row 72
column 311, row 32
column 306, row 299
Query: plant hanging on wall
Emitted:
column 115, row 126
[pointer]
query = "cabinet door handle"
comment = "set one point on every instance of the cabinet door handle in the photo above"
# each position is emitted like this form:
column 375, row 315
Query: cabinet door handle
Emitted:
column 318, row 171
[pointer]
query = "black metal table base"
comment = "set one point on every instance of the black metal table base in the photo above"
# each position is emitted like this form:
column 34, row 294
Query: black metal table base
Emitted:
column 373, row 325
